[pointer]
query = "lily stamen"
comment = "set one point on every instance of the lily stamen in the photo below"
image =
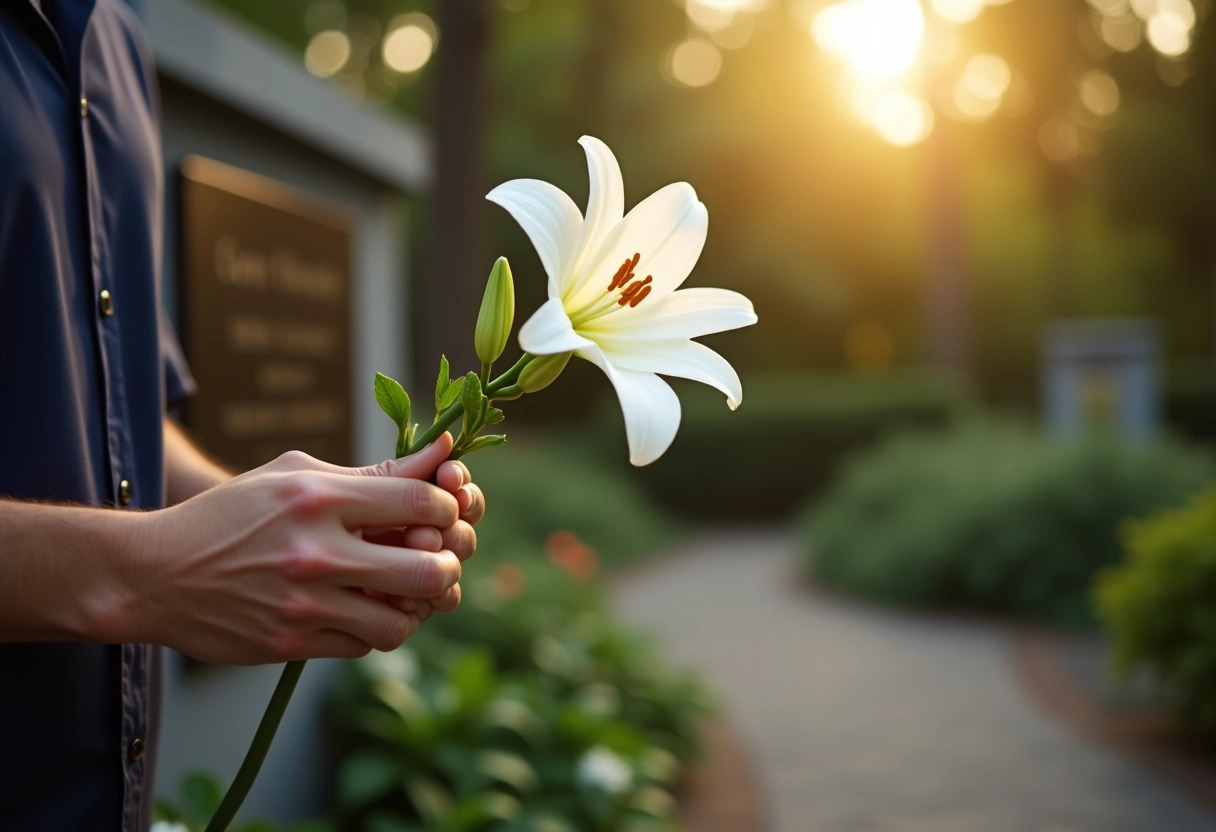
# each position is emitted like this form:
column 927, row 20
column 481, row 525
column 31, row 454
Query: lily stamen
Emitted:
column 624, row 272
column 636, row 291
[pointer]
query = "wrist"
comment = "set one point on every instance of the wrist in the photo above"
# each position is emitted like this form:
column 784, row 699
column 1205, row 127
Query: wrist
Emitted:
column 116, row 606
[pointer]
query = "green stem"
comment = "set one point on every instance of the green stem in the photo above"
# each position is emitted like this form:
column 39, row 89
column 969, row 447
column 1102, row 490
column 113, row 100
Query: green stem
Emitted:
column 256, row 754
column 485, row 374
column 257, row 749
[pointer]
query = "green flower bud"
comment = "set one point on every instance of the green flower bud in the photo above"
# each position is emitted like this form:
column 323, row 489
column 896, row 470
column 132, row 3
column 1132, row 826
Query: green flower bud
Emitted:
column 542, row 371
column 497, row 313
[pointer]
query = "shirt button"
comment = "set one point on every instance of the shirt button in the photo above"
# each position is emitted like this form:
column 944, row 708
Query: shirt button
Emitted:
column 135, row 750
column 124, row 493
column 105, row 303
column 84, row 107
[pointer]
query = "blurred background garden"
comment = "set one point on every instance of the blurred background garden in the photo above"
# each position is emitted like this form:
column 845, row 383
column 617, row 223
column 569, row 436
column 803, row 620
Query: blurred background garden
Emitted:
column 979, row 415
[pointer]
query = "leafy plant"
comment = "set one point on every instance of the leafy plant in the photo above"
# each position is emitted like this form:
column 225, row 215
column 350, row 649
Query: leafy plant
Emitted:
column 991, row 517
column 1160, row 605
column 531, row 710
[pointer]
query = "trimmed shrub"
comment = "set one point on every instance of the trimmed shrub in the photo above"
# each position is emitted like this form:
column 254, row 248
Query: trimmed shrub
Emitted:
column 991, row 517
column 536, row 488
column 1159, row 607
column 531, row 709
column 785, row 442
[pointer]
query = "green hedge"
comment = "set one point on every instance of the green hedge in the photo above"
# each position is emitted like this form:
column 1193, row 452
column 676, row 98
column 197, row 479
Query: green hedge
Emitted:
column 991, row 517
column 1160, row 605
column 529, row 709
column 783, row 444
column 548, row 484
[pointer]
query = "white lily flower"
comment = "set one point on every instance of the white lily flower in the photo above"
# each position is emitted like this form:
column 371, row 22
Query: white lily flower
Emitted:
column 614, row 296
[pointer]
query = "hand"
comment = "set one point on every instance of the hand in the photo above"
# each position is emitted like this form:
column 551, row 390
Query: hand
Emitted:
column 459, row 538
column 271, row 566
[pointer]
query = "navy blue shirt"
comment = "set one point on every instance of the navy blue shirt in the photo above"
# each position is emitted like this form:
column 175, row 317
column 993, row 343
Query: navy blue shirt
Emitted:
column 87, row 365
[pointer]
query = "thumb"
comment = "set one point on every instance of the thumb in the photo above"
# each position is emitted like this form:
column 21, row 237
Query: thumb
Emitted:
column 418, row 466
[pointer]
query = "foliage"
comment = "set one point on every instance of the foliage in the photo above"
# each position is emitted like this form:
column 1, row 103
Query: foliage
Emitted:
column 783, row 444
column 1158, row 605
column 991, row 517
column 199, row 796
column 530, row 710
column 536, row 488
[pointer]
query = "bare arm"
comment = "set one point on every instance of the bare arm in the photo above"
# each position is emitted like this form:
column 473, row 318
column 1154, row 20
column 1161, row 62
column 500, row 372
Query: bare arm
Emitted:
column 264, row 567
column 188, row 471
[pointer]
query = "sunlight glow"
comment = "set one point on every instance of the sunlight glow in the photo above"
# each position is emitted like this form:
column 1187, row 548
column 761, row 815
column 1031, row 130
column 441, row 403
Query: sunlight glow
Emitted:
column 879, row 39
column 713, row 15
column 898, row 117
column 1059, row 140
column 694, row 63
column 327, row 53
column 958, row 11
column 1120, row 32
column 1169, row 32
column 979, row 92
column 409, row 43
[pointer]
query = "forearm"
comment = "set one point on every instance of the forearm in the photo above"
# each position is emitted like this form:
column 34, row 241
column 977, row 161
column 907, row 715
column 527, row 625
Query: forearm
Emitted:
column 66, row 571
column 188, row 471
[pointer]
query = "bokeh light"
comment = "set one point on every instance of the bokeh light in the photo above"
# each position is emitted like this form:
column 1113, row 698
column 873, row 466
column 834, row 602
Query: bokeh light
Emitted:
column 327, row 53
column 410, row 43
column 899, row 117
column 1059, row 140
column 879, row 39
column 1120, row 32
column 1169, row 33
column 694, row 63
column 1099, row 93
column 958, row 11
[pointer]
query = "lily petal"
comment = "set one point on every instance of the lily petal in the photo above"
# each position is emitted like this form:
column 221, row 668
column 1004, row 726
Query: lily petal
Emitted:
column 667, row 229
column 686, row 313
column 680, row 358
column 550, row 219
column 549, row 332
column 605, row 202
column 650, row 407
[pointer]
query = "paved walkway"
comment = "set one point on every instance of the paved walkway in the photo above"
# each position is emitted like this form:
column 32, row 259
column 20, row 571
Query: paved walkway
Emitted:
column 859, row 720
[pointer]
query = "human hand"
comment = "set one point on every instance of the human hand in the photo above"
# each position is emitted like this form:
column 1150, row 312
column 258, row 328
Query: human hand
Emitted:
column 271, row 566
column 459, row 538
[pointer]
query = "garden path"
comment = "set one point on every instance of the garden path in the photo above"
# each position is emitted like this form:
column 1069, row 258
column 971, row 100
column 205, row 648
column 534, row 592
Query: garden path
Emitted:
column 861, row 720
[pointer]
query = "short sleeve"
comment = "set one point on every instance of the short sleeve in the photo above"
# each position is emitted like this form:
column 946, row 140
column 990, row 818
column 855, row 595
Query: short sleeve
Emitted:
column 179, row 383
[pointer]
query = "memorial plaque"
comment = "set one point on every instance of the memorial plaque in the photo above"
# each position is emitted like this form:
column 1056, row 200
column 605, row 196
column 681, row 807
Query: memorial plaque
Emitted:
column 265, row 316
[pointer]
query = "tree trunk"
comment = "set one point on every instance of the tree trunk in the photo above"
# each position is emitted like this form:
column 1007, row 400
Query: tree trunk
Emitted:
column 450, row 293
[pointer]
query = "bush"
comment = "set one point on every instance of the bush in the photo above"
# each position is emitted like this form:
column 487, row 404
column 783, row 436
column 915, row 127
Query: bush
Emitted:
column 528, row 710
column 991, row 517
column 1160, row 605
column 535, row 488
column 782, row 445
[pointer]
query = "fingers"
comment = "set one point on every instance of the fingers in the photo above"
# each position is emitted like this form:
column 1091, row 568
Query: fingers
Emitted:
column 420, row 465
column 330, row 644
column 460, row 539
column 426, row 538
column 476, row 504
column 370, row 620
column 412, row 573
column 362, row 502
column 452, row 474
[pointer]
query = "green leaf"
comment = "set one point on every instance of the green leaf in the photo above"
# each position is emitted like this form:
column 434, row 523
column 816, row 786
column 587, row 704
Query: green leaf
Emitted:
column 491, row 441
column 201, row 796
column 385, row 822
column 470, row 397
column 479, row 810
column 367, row 776
column 392, row 398
column 509, row 769
column 494, row 416
column 451, row 394
column 441, row 383
column 430, row 798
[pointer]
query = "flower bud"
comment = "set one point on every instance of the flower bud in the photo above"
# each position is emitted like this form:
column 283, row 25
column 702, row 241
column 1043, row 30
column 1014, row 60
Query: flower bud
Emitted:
column 542, row 371
column 497, row 313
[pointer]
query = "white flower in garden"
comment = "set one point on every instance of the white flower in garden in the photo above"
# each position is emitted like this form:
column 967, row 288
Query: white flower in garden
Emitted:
column 613, row 299
column 600, row 768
